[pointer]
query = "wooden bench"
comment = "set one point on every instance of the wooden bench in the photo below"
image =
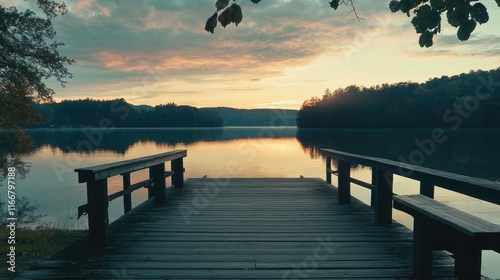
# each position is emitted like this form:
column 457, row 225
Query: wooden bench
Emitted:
column 440, row 227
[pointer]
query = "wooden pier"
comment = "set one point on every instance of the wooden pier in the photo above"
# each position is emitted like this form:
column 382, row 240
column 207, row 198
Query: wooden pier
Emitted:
column 239, row 228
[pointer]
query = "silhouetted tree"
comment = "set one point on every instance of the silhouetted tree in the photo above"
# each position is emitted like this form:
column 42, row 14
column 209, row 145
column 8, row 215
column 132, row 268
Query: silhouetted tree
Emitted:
column 118, row 113
column 28, row 56
column 447, row 102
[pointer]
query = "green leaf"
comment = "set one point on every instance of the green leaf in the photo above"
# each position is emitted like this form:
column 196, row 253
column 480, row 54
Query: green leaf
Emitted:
column 231, row 14
column 425, row 39
column 498, row 3
column 479, row 13
column 456, row 18
column 463, row 7
column 423, row 10
column 432, row 19
column 211, row 23
column 415, row 3
column 419, row 27
column 237, row 14
column 334, row 4
column 226, row 17
column 466, row 29
column 256, row 1
column 438, row 4
column 405, row 6
column 221, row 4
column 395, row 5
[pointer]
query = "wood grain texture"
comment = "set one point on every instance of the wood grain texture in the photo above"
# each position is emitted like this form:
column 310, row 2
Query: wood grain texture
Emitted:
column 103, row 171
column 474, row 187
column 270, row 228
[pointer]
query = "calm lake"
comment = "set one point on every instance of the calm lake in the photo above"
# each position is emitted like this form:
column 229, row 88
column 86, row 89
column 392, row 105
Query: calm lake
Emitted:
column 258, row 152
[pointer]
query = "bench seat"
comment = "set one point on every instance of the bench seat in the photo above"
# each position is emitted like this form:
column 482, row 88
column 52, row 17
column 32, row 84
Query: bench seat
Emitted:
column 438, row 226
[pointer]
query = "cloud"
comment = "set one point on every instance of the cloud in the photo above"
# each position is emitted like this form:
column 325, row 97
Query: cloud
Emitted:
column 278, row 104
column 89, row 9
column 449, row 45
column 130, row 36
column 118, row 44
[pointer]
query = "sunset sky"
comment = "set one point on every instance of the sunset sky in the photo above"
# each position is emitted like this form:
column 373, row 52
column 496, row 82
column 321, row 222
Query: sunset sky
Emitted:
column 283, row 52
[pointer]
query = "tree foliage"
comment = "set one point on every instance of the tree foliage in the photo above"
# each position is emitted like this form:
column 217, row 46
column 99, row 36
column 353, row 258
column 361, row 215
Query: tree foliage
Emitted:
column 448, row 102
column 427, row 15
column 119, row 113
column 427, row 19
column 28, row 56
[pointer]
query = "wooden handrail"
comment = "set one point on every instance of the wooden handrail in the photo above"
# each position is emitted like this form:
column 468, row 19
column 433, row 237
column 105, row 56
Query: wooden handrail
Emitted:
column 98, row 199
column 382, row 181
column 353, row 180
column 474, row 187
column 103, row 171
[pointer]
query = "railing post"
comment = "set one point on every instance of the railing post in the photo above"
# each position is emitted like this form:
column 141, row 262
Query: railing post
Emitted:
column 97, row 200
column 422, row 250
column 127, row 199
column 150, row 189
column 383, row 209
column 373, row 198
column 328, row 170
column 177, row 173
column 157, row 172
column 427, row 189
column 344, row 177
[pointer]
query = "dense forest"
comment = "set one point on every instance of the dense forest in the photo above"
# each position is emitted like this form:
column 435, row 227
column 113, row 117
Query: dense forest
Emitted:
column 119, row 113
column 90, row 113
column 256, row 117
column 469, row 100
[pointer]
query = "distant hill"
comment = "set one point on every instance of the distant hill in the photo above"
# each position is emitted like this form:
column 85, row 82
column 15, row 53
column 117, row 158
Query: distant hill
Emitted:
column 145, row 108
column 246, row 117
column 90, row 112
column 256, row 117
column 119, row 113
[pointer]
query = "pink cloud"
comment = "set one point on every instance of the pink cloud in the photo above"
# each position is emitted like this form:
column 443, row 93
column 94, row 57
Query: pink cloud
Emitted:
column 90, row 8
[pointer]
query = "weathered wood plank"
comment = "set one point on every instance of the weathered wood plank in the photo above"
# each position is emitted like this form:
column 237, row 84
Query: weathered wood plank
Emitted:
column 259, row 229
column 455, row 218
column 251, row 273
column 111, row 169
column 474, row 187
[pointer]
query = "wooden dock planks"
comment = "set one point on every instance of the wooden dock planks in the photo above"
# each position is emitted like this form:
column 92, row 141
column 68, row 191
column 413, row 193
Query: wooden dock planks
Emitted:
column 268, row 228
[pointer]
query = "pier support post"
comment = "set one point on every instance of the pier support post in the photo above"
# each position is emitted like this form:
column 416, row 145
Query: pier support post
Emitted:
column 383, row 209
column 97, row 199
column 177, row 173
column 422, row 248
column 127, row 199
column 344, row 174
column 328, row 170
column 427, row 189
column 157, row 172
column 373, row 198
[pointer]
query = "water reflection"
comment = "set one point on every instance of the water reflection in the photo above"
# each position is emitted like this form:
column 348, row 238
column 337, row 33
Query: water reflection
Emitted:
column 120, row 140
column 256, row 152
column 470, row 152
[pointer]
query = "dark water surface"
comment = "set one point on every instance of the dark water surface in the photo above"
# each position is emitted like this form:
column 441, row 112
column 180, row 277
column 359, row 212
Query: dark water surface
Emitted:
column 257, row 152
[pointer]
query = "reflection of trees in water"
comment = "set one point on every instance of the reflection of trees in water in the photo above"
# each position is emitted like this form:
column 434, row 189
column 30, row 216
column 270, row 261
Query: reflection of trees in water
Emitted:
column 120, row 140
column 13, row 144
column 469, row 152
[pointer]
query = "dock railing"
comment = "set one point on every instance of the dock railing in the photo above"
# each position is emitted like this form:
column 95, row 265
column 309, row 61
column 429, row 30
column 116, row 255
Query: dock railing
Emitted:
column 98, row 199
column 381, row 185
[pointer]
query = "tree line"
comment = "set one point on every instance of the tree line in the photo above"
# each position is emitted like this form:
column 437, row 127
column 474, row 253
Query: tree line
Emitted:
column 93, row 113
column 256, row 117
column 469, row 100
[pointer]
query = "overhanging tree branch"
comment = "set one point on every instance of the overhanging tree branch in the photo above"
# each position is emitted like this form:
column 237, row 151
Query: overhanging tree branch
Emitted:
column 462, row 14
